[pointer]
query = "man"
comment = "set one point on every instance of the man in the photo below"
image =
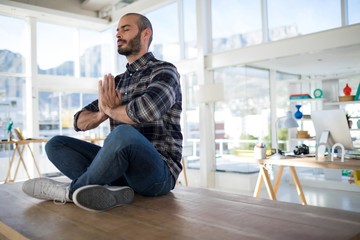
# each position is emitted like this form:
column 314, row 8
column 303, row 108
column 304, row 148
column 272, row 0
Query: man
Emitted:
column 142, row 153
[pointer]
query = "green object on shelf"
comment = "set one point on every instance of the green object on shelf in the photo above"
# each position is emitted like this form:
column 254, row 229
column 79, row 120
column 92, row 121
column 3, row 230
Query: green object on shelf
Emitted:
column 357, row 96
column 9, row 126
column 318, row 93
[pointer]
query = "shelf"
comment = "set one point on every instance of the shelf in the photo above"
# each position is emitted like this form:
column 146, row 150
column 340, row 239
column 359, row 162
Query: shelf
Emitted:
column 340, row 103
column 302, row 139
column 305, row 100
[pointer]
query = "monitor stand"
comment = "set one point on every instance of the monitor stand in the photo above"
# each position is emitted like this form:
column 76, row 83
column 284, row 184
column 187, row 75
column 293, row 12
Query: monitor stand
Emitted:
column 322, row 145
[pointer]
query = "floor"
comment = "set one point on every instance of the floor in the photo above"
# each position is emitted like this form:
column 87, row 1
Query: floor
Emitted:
column 337, row 199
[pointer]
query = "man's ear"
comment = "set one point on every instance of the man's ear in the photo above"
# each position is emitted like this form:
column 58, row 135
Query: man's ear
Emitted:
column 147, row 33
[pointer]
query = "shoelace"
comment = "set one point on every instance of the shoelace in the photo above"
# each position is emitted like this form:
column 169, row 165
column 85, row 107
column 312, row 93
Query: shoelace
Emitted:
column 58, row 194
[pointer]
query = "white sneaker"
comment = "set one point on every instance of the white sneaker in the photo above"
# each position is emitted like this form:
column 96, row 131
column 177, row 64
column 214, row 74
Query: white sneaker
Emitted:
column 101, row 198
column 47, row 189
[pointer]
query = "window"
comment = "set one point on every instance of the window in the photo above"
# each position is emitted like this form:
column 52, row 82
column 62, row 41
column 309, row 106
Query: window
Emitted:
column 90, row 53
column 190, row 118
column 243, row 118
column 190, row 30
column 56, row 49
column 12, row 104
column 235, row 24
column 354, row 10
column 165, row 45
column 12, row 47
column 191, row 110
column 292, row 18
column 58, row 109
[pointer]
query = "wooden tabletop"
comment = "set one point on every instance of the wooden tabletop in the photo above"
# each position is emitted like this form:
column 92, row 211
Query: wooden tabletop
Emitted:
column 185, row 213
column 311, row 162
column 26, row 141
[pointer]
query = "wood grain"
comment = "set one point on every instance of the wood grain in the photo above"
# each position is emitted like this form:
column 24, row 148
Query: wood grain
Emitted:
column 186, row 213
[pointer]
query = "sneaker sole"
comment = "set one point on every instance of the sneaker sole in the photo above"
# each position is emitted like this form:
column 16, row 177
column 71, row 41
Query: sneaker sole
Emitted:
column 98, row 198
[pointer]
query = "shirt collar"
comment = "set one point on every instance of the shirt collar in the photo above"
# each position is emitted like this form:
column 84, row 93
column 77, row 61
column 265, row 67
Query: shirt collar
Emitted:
column 140, row 63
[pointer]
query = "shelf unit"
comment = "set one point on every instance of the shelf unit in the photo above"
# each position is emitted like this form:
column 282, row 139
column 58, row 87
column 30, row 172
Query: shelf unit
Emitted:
column 332, row 89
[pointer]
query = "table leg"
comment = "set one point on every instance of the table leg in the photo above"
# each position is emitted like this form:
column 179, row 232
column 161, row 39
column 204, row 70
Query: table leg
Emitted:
column 278, row 178
column 37, row 166
column 8, row 174
column 266, row 178
column 258, row 184
column 184, row 169
column 298, row 185
column 21, row 160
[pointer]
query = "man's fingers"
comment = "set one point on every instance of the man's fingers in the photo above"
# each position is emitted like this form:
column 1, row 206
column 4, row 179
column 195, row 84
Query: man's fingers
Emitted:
column 110, row 83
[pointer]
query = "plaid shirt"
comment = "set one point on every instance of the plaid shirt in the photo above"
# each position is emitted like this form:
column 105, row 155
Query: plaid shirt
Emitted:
column 151, row 91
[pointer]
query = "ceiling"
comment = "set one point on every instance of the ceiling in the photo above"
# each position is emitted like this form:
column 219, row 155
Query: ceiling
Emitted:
column 339, row 60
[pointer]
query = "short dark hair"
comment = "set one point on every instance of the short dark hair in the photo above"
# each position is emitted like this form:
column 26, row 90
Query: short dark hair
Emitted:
column 142, row 23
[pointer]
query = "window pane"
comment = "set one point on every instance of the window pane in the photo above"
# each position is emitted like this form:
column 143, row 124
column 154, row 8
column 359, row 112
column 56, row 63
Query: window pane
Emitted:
column 235, row 24
column 190, row 118
column 12, row 104
column 49, row 116
column 292, row 18
column 165, row 45
column 56, row 49
column 12, row 47
column 70, row 104
column 190, row 29
column 354, row 11
column 90, row 53
column 108, row 41
column 243, row 118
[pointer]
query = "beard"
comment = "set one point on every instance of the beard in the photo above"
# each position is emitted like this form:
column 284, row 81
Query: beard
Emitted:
column 130, row 47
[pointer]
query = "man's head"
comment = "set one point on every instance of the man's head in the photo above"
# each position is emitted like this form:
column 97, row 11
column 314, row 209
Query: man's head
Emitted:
column 134, row 34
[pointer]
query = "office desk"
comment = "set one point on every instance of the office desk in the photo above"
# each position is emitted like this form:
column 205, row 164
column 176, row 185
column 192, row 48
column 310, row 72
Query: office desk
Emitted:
column 292, row 163
column 20, row 146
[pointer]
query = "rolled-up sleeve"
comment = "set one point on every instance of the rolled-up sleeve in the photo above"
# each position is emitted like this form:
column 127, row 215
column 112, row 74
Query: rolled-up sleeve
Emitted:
column 93, row 107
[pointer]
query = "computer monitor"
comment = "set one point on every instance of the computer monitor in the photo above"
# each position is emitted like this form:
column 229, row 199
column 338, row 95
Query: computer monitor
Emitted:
column 336, row 123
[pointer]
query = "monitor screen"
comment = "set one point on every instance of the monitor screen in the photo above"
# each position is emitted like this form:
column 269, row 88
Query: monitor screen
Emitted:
column 336, row 123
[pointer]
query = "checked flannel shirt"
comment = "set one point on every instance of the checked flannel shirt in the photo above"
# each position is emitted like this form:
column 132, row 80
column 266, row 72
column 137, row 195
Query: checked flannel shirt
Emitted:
column 151, row 91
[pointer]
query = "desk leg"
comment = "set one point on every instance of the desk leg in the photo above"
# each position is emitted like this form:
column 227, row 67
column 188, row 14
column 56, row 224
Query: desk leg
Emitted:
column 21, row 160
column 8, row 174
column 266, row 178
column 278, row 178
column 298, row 185
column 184, row 170
column 37, row 166
column 258, row 184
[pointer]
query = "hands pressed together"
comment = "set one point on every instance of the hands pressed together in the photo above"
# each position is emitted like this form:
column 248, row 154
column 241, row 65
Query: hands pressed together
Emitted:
column 109, row 97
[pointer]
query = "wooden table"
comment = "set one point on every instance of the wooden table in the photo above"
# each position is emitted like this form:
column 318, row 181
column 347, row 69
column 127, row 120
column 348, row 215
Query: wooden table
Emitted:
column 20, row 146
column 292, row 163
column 185, row 213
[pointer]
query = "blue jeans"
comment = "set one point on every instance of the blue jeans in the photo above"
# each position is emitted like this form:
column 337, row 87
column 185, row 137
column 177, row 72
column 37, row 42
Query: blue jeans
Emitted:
column 127, row 158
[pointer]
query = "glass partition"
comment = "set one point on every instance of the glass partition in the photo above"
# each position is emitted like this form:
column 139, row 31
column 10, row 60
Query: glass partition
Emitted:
column 235, row 24
column 165, row 45
column 243, row 118
column 56, row 49
column 293, row 18
column 354, row 11
column 12, row 47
